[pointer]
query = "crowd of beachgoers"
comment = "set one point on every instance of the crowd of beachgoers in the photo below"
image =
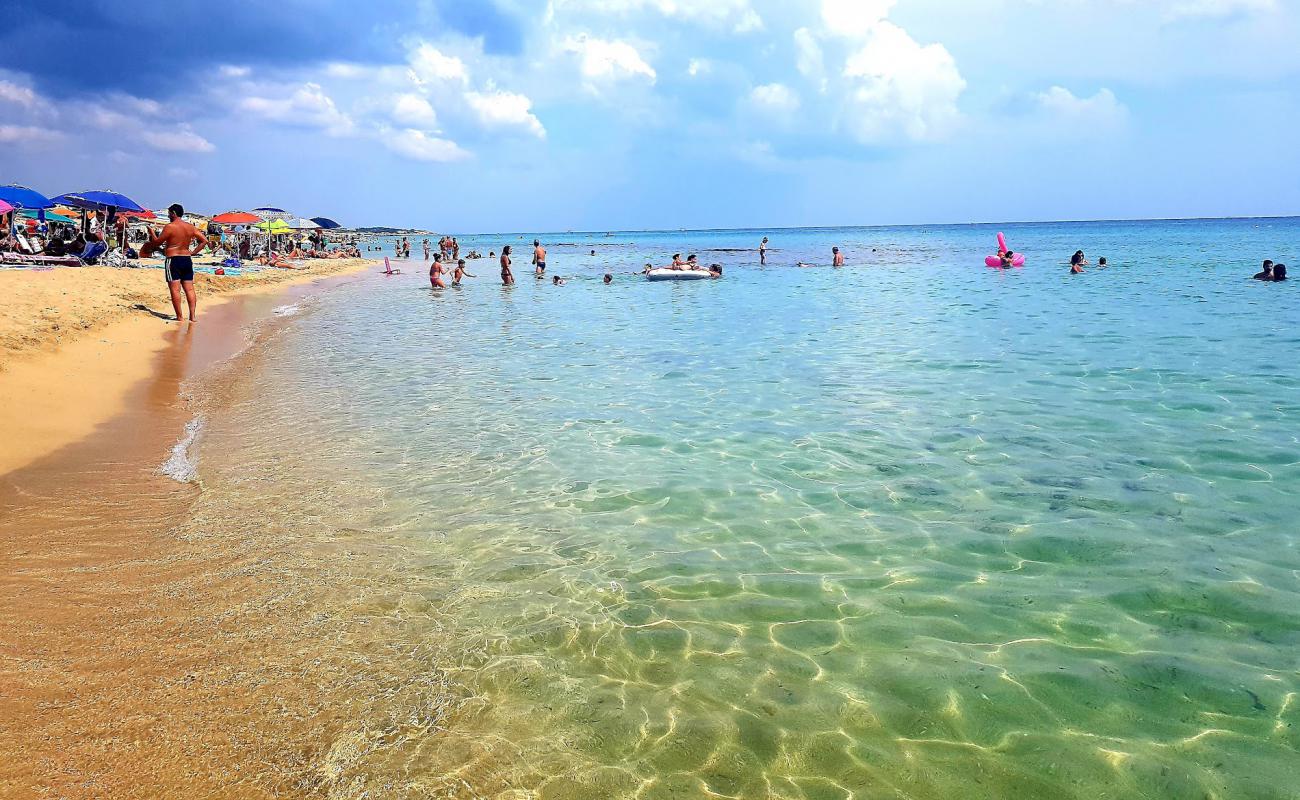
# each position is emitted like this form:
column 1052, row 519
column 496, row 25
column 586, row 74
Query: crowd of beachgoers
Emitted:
column 108, row 228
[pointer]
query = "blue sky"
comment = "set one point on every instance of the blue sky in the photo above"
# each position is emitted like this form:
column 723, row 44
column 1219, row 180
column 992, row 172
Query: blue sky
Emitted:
column 615, row 114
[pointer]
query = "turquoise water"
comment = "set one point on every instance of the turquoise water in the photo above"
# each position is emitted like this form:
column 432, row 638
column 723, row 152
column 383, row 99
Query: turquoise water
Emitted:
column 913, row 528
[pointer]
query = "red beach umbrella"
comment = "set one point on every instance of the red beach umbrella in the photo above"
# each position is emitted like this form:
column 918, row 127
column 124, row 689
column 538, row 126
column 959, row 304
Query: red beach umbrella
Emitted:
column 236, row 218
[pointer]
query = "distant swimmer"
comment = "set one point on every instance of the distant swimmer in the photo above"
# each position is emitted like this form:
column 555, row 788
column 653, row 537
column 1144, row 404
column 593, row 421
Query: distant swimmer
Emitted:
column 1279, row 272
column 1101, row 263
column 715, row 270
column 1008, row 259
column 178, row 240
column 762, row 251
column 593, row 252
column 1077, row 262
column 460, row 273
column 1265, row 274
column 556, row 280
column 435, row 272
column 539, row 257
column 608, row 278
column 507, row 277
column 838, row 261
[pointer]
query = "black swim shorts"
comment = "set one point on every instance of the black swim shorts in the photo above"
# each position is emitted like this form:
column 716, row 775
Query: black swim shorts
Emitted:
column 179, row 268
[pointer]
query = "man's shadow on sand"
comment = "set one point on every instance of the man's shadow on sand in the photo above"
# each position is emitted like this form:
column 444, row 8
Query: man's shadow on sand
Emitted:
column 151, row 312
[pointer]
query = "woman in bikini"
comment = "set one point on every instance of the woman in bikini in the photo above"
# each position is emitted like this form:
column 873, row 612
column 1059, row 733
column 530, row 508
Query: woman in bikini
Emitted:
column 435, row 272
column 507, row 277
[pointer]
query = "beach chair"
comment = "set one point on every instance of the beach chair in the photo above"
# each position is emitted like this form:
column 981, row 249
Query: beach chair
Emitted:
column 93, row 252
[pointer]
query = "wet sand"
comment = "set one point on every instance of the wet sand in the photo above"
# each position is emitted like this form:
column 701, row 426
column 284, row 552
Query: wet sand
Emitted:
column 74, row 341
column 143, row 655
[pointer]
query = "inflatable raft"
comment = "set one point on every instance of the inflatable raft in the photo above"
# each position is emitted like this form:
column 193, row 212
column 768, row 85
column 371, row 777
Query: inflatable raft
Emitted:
column 677, row 274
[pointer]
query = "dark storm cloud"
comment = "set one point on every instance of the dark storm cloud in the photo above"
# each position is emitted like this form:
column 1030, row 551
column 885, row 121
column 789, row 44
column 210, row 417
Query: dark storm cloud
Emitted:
column 144, row 46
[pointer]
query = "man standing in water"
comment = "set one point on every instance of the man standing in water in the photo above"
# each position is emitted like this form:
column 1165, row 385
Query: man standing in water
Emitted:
column 762, row 252
column 177, row 241
column 839, row 257
column 539, row 257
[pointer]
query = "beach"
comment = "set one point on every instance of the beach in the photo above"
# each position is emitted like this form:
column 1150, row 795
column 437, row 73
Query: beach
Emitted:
column 63, row 331
column 914, row 527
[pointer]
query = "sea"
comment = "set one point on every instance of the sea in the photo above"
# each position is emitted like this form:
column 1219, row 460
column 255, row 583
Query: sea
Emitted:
column 912, row 528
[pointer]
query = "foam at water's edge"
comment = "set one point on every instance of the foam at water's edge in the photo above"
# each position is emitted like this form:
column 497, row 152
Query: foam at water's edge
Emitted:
column 182, row 465
column 287, row 310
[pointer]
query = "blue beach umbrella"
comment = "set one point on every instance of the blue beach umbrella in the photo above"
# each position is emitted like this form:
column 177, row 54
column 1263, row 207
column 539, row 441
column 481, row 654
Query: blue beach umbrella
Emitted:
column 97, row 199
column 326, row 223
column 22, row 197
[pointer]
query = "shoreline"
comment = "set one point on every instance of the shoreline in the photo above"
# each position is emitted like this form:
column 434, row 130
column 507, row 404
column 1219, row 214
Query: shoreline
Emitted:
column 67, row 370
column 147, row 652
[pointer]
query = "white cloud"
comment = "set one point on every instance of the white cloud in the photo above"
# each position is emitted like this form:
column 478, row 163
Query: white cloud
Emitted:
column 308, row 106
column 898, row 86
column 18, row 95
column 738, row 15
column 420, row 146
column 776, row 98
column 414, row 111
column 428, row 64
column 181, row 140
column 854, row 17
column 605, row 60
column 1101, row 109
column 28, row 134
column 505, row 109
column 809, row 59
column 699, row 66
column 234, row 71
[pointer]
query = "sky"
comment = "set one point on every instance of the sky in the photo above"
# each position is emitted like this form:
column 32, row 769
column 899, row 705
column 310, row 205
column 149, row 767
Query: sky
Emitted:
column 537, row 115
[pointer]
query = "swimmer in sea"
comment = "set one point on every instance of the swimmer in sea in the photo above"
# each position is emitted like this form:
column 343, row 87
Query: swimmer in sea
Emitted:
column 715, row 270
column 1266, row 274
column 435, row 272
column 556, row 280
column 692, row 262
column 838, row 261
column 1101, row 263
column 1007, row 259
column 1279, row 272
column 460, row 273
column 539, row 257
column 1076, row 262
column 608, row 279
column 677, row 262
column 762, row 251
column 507, row 277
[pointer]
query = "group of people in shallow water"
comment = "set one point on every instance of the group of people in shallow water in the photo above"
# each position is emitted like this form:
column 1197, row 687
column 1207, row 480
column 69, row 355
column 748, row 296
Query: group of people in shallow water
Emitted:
column 1271, row 272
column 448, row 261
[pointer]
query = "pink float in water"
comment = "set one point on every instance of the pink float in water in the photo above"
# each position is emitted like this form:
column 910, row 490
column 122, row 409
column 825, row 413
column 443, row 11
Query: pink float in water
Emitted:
column 1018, row 260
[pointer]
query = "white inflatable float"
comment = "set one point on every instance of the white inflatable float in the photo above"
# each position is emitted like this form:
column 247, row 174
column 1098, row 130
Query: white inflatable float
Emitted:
column 665, row 274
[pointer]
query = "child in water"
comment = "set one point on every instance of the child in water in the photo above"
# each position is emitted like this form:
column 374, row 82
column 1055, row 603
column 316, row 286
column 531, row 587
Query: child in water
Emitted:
column 460, row 273
column 1076, row 262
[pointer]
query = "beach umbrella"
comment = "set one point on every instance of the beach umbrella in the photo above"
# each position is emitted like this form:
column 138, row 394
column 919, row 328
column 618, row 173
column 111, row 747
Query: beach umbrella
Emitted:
column 326, row 223
column 5, row 208
column 301, row 224
column 50, row 216
column 274, row 226
column 22, row 197
column 97, row 199
column 236, row 218
column 271, row 212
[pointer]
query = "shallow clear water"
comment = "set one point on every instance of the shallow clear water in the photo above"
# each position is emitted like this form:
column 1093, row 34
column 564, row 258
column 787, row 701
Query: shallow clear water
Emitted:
column 912, row 528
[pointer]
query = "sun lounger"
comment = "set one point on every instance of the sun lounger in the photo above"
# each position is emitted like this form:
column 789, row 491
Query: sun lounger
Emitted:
column 19, row 260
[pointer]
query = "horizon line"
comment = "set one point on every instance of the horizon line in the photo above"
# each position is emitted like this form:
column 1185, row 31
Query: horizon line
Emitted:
column 844, row 227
